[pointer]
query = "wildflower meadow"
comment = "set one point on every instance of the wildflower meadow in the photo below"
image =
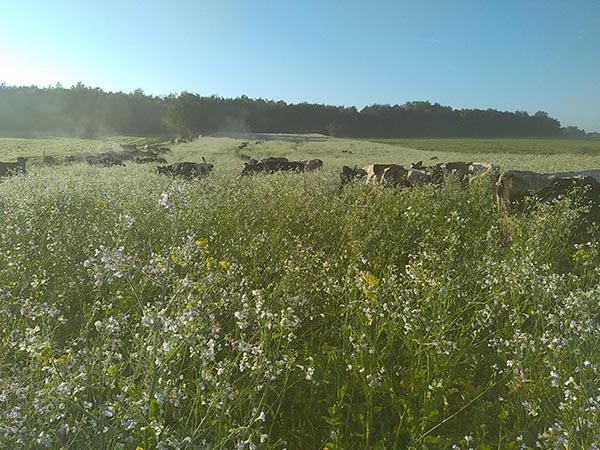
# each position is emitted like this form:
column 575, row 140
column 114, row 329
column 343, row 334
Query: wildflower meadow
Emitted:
column 139, row 311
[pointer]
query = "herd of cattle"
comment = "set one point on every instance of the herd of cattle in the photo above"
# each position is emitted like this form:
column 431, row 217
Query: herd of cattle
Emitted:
column 511, row 187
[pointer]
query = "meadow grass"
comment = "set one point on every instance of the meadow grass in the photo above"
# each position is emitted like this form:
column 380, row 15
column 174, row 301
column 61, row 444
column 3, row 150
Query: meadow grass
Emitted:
column 281, row 311
column 522, row 146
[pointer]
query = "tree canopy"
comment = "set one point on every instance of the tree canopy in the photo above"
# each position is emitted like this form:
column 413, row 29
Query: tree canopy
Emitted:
column 85, row 111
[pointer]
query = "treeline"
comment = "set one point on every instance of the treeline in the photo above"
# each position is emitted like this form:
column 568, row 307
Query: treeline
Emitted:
column 85, row 111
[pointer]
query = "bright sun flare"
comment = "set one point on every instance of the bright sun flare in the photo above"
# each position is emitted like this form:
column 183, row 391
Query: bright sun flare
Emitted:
column 21, row 73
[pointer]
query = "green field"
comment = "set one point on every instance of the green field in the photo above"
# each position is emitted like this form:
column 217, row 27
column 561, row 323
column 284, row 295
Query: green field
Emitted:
column 272, row 312
column 501, row 146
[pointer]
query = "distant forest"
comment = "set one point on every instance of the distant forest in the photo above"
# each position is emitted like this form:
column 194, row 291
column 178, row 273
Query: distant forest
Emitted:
column 87, row 112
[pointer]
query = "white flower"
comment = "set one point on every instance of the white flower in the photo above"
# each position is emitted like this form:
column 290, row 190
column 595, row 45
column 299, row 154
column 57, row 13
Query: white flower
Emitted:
column 164, row 200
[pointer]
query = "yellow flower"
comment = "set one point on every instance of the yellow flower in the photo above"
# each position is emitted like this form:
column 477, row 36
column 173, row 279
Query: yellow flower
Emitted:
column 46, row 356
column 371, row 279
column 580, row 255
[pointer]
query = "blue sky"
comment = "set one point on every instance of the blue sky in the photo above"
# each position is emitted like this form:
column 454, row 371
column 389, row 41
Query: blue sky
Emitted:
column 502, row 54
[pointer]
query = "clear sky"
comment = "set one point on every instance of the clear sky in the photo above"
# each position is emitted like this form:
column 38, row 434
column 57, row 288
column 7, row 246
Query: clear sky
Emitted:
column 503, row 54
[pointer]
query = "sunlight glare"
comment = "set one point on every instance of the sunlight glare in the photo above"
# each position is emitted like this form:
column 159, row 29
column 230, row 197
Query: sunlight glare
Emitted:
column 20, row 73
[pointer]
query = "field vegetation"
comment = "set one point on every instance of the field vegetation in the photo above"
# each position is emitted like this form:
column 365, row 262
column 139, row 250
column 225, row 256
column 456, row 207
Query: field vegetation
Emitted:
column 272, row 312
column 590, row 147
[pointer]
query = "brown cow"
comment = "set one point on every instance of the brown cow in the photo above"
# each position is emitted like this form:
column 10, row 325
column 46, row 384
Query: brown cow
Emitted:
column 514, row 186
column 384, row 174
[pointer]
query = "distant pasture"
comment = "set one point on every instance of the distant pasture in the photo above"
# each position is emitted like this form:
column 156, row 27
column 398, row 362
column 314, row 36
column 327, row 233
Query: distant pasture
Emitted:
column 542, row 155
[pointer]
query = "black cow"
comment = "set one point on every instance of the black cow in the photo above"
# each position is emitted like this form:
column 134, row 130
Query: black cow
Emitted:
column 48, row 160
column 104, row 160
column 150, row 159
column 348, row 174
column 186, row 169
column 13, row 168
column 271, row 165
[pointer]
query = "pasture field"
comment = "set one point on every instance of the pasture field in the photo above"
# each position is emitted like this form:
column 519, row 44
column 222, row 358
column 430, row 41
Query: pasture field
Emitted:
column 493, row 146
column 282, row 312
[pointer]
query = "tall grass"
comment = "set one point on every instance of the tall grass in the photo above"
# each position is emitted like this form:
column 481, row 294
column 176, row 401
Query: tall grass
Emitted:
column 284, row 312
column 524, row 146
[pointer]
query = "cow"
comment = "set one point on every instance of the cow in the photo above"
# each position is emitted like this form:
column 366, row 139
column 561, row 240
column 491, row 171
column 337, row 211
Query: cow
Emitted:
column 13, row 168
column 186, row 169
column 105, row 159
column 476, row 169
column 486, row 172
column 150, row 159
column 384, row 174
column 271, row 165
column 348, row 174
column 458, row 170
column 514, row 186
column 312, row 164
column 416, row 177
column 68, row 159
column 248, row 159
column 47, row 159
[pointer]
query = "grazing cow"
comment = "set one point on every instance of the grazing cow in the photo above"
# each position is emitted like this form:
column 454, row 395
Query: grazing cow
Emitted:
column 186, row 169
column 483, row 171
column 69, row 159
column 514, row 186
column 476, row 169
column 47, row 159
column 104, row 160
column 416, row 177
column 348, row 174
column 458, row 169
column 312, row 164
column 248, row 159
column 272, row 165
column 384, row 174
column 420, row 174
column 13, row 168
